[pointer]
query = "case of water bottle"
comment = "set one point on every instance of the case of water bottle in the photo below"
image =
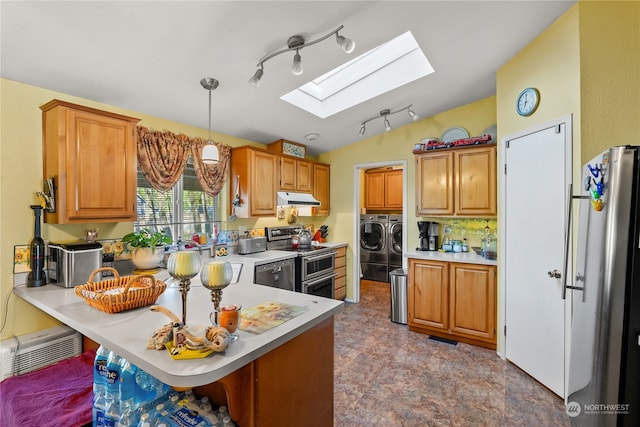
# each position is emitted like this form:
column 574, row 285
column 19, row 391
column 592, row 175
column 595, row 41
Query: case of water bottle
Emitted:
column 127, row 396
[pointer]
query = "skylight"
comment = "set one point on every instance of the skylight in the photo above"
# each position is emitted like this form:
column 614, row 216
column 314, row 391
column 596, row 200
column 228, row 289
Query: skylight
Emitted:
column 380, row 70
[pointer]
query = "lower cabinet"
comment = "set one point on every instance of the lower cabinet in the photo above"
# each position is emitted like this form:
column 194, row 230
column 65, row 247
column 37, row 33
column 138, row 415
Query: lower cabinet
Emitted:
column 340, row 288
column 453, row 300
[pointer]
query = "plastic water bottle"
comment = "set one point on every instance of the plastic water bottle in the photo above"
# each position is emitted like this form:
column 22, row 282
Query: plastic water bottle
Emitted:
column 127, row 386
column 144, row 420
column 112, row 395
column 128, row 395
column 209, row 413
column 147, row 390
column 98, row 411
column 226, row 422
column 99, row 371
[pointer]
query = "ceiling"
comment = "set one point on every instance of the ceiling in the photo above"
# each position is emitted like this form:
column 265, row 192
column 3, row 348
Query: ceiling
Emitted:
column 149, row 57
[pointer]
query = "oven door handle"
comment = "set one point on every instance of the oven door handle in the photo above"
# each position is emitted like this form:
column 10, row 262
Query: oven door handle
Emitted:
column 322, row 279
column 319, row 256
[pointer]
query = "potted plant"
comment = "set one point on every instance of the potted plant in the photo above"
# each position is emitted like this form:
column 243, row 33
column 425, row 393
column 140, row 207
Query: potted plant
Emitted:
column 146, row 247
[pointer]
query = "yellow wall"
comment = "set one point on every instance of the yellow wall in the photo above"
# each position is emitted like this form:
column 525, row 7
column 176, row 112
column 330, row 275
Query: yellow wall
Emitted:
column 609, row 75
column 392, row 146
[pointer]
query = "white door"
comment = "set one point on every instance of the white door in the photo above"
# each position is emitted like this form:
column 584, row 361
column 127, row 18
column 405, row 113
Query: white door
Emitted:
column 536, row 189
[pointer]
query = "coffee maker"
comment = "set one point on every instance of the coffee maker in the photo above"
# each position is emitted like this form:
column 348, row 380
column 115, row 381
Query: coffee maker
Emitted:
column 428, row 237
column 432, row 236
column 423, row 239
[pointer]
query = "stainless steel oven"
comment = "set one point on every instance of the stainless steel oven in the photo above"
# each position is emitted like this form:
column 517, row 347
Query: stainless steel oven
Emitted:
column 323, row 286
column 315, row 266
column 315, row 272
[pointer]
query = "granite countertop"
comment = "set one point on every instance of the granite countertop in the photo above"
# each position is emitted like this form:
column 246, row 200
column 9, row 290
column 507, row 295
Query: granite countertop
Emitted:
column 465, row 257
column 127, row 332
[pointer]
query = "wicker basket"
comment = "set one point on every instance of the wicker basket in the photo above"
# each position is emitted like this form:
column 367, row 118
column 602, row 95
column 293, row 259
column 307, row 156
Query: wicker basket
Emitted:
column 120, row 293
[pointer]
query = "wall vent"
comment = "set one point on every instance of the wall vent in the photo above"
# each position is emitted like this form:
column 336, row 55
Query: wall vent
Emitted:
column 29, row 352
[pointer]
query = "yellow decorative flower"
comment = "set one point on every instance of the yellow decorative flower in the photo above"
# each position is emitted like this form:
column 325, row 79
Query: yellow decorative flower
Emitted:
column 118, row 248
column 22, row 255
column 106, row 248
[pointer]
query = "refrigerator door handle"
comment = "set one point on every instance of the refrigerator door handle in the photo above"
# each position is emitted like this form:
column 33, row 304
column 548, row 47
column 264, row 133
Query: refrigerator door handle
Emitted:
column 567, row 236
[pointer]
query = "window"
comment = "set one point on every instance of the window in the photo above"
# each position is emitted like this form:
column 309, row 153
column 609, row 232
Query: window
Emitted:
column 181, row 212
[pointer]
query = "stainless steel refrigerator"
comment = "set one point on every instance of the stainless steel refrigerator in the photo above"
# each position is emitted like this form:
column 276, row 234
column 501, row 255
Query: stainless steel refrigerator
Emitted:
column 604, row 367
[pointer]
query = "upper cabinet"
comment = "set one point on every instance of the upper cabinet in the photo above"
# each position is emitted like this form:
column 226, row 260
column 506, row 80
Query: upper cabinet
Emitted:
column 91, row 154
column 321, row 185
column 296, row 175
column 383, row 189
column 457, row 182
column 257, row 172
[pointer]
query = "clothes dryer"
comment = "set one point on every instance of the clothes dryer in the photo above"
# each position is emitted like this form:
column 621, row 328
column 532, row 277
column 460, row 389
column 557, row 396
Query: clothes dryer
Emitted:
column 374, row 256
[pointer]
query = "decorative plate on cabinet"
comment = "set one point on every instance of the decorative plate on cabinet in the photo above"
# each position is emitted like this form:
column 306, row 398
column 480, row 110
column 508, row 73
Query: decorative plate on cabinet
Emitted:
column 454, row 133
column 493, row 131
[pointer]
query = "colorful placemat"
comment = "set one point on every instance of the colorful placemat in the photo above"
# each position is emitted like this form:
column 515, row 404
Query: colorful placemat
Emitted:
column 268, row 315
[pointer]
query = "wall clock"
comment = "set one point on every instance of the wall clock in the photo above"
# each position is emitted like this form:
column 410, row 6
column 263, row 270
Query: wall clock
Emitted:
column 528, row 101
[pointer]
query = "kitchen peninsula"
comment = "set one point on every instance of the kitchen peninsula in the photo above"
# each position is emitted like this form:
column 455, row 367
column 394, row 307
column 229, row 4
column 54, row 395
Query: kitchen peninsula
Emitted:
column 283, row 375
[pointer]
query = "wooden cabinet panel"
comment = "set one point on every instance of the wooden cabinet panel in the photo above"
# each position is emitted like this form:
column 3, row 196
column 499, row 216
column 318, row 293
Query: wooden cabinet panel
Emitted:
column 296, row 175
column 473, row 300
column 287, row 174
column 393, row 189
column 383, row 189
column 92, row 156
column 321, row 188
column 340, row 287
column 374, row 190
column 304, row 176
column 457, row 182
column 257, row 171
column 476, row 181
column 428, row 294
column 281, row 397
column 434, row 184
column 453, row 300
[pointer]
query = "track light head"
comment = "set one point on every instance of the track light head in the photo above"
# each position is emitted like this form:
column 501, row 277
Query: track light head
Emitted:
column 348, row 45
column 387, row 125
column 362, row 130
column 255, row 80
column 296, row 67
column 413, row 115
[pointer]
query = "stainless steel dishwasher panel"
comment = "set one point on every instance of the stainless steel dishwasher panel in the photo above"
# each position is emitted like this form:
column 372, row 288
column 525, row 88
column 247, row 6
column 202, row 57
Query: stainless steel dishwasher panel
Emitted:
column 279, row 274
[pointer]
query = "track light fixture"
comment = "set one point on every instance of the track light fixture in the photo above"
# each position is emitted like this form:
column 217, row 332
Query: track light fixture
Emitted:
column 298, row 43
column 210, row 153
column 387, row 112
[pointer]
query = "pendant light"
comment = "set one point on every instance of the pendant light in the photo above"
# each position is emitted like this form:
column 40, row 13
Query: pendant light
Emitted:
column 210, row 155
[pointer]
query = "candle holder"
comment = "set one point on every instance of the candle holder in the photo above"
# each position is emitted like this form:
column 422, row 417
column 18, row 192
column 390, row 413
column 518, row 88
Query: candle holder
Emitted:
column 184, row 266
column 216, row 276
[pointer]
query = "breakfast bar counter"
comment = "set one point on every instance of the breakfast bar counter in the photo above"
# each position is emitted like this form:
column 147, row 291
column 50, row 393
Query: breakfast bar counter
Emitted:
column 257, row 370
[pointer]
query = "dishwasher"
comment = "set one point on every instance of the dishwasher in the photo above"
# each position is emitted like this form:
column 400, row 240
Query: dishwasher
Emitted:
column 277, row 274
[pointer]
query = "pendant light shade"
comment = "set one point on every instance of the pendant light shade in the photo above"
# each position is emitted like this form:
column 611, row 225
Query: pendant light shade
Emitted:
column 210, row 155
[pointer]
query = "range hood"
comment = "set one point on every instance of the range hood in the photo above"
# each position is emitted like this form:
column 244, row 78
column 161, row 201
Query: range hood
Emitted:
column 286, row 198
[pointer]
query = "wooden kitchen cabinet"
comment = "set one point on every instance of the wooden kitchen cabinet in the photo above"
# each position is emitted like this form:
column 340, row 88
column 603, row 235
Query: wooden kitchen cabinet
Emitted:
column 296, row 175
column 458, row 182
column 91, row 154
column 340, row 288
column 321, row 188
column 453, row 300
column 257, row 170
column 428, row 294
column 472, row 301
column 383, row 189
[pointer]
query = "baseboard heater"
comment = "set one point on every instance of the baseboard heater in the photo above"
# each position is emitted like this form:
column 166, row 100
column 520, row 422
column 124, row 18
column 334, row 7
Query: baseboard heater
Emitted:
column 26, row 353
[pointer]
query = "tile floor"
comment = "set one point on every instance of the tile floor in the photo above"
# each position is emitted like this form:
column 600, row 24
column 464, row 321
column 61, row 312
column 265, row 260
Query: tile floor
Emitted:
column 388, row 376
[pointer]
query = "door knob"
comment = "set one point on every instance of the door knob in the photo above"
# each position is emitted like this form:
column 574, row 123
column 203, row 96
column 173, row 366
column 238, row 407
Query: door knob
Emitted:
column 554, row 274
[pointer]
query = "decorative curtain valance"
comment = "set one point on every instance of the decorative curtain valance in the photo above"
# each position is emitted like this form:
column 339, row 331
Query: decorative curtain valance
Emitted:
column 162, row 157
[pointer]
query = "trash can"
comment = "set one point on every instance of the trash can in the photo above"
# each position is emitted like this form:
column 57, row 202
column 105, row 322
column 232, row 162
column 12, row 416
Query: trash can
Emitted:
column 399, row 295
